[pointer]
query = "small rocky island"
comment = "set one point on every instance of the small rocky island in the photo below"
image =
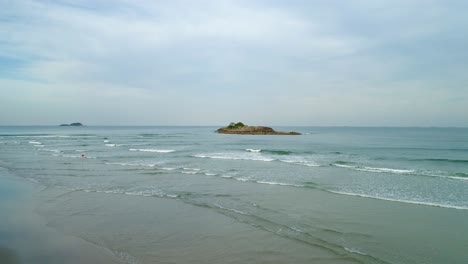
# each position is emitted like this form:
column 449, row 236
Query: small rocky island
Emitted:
column 241, row 129
column 72, row 124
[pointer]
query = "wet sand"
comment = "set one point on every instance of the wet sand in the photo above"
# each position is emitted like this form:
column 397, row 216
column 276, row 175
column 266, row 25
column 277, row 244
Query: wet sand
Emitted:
column 154, row 230
column 58, row 225
column 26, row 238
column 55, row 225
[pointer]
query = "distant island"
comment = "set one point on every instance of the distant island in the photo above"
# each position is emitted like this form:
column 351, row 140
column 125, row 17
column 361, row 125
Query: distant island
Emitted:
column 72, row 124
column 241, row 129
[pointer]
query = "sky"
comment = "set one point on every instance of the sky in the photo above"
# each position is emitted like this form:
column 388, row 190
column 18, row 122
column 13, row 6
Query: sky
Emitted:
column 262, row 62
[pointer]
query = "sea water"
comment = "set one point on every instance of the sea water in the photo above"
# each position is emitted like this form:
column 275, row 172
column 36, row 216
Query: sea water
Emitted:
column 381, row 195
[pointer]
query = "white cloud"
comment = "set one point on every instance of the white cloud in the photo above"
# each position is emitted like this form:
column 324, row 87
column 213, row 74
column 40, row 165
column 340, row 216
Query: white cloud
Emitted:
column 341, row 58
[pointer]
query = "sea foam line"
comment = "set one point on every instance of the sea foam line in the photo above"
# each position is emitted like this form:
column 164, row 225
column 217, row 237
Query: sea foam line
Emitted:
column 401, row 201
column 373, row 169
column 253, row 150
column 153, row 150
column 400, row 171
column 233, row 157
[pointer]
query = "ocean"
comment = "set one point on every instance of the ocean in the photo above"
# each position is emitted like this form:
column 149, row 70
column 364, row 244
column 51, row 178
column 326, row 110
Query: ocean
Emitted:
column 353, row 194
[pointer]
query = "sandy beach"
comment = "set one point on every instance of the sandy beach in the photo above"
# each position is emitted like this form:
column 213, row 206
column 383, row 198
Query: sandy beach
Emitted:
column 54, row 225
column 26, row 236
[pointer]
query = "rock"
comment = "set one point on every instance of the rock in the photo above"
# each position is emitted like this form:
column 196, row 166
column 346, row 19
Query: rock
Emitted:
column 242, row 129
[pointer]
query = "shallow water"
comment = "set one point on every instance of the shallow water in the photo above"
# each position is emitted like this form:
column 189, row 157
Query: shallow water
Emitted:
column 353, row 191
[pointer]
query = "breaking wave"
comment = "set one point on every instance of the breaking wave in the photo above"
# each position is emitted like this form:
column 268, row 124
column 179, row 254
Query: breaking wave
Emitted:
column 154, row 150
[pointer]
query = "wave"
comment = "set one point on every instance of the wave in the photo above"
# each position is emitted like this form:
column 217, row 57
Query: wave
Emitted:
column 234, row 156
column 253, row 150
column 110, row 145
column 255, row 156
column 189, row 172
column 35, row 142
column 43, row 136
column 51, row 150
column 354, row 250
column 154, row 150
column 192, row 169
column 270, row 151
column 444, row 160
column 424, row 173
column 134, row 164
column 458, row 178
column 277, row 152
column 300, row 161
column 76, row 156
column 402, row 200
column 146, row 193
column 229, row 209
column 280, row 183
column 373, row 169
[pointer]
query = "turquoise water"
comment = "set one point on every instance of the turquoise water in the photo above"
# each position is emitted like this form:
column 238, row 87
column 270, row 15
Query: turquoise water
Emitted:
column 328, row 186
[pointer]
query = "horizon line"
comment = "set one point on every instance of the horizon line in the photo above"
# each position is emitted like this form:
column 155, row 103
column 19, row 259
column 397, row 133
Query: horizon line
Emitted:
column 329, row 126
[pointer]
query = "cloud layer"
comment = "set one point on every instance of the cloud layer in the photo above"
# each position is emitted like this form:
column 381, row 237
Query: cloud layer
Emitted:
column 378, row 63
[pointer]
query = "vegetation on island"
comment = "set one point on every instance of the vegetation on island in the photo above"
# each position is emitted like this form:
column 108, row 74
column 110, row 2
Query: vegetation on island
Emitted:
column 233, row 125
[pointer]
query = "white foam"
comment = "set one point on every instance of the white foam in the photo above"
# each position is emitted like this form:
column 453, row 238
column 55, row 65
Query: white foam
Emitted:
column 402, row 201
column 110, row 145
column 344, row 166
column 229, row 209
column 300, row 161
column 48, row 136
column 51, row 150
column 242, row 179
column 77, row 156
column 235, row 156
column 131, row 164
column 154, row 150
column 189, row 172
column 458, row 178
column 279, row 183
column 353, row 250
column 35, row 142
column 293, row 228
column 398, row 171
column 253, row 150
column 373, row 169
column 169, row 169
column 194, row 169
column 106, row 141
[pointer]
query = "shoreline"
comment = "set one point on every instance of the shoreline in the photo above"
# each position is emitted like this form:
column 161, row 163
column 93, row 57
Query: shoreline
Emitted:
column 123, row 228
column 93, row 227
column 163, row 230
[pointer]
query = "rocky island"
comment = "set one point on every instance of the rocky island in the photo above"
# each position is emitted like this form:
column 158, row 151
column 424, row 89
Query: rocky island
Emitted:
column 241, row 129
column 72, row 124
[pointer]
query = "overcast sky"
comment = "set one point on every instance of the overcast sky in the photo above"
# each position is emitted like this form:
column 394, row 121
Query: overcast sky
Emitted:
column 128, row 62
